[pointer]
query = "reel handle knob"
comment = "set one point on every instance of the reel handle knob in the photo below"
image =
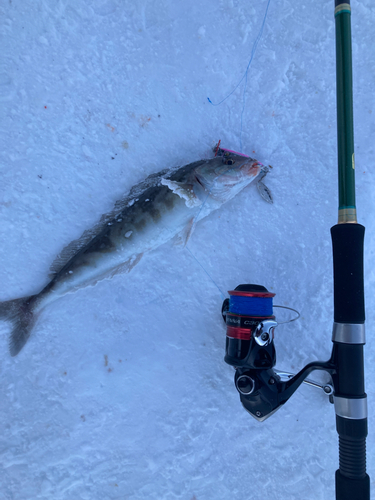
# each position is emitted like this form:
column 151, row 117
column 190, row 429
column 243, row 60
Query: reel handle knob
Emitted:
column 263, row 334
column 245, row 385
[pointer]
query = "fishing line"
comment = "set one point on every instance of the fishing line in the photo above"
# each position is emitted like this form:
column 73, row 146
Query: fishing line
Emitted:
column 289, row 320
column 208, row 274
column 194, row 222
column 244, row 77
column 196, row 218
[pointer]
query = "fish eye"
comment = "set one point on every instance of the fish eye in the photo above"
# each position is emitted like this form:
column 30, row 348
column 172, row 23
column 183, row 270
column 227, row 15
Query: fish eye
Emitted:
column 229, row 161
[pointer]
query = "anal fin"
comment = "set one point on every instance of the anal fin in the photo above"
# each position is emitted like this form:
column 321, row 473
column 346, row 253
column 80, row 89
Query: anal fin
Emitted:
column 127, row 266
column 123, row 268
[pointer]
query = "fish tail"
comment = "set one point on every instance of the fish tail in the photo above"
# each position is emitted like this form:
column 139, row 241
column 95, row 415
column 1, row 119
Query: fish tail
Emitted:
column 19, row 313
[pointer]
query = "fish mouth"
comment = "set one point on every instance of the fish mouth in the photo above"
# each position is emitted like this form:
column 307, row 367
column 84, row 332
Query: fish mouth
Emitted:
column 250, row 168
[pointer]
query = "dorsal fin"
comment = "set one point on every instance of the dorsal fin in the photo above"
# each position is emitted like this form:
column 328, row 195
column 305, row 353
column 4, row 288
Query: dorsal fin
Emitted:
column 79, row 244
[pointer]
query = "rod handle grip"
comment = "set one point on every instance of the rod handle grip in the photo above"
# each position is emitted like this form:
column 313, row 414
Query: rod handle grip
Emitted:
column 349, row 297
column 352, row 489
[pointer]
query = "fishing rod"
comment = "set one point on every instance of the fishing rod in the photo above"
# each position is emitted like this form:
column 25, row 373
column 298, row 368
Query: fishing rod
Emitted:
column 250, row 321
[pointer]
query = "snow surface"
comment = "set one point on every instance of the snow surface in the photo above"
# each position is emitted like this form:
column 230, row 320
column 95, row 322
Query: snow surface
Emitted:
column 122, row 392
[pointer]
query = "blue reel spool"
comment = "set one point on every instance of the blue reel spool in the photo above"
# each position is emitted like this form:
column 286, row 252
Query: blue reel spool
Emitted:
column 251, row 303
column 247, row 306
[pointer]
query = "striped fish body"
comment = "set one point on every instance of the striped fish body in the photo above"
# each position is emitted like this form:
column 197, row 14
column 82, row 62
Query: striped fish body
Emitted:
column 164, row 205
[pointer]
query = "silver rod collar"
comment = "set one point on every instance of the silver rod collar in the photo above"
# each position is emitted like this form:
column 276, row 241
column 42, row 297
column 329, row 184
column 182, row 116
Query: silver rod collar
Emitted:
column 355, row 409
column 347, row 333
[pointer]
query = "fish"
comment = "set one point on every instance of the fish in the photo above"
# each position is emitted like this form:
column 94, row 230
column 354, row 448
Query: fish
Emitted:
column 166, row 205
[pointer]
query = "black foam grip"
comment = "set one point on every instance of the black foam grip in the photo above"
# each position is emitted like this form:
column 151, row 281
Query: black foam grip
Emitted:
column 347, row 244
column 352, row 489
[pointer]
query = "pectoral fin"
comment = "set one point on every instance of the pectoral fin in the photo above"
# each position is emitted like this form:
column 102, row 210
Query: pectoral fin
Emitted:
column 183, row 236
column 264, row 192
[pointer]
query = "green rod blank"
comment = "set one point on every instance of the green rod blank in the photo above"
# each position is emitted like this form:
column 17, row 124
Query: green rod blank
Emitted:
column 345, row 135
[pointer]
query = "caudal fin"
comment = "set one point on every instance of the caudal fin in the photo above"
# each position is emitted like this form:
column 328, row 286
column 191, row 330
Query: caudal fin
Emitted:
column 19, row 314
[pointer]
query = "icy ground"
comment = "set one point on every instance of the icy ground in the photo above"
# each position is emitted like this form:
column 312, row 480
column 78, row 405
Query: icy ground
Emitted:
column 122, row 392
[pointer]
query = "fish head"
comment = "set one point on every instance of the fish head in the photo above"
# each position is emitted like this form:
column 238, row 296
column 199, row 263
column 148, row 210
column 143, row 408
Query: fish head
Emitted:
column 222, row 181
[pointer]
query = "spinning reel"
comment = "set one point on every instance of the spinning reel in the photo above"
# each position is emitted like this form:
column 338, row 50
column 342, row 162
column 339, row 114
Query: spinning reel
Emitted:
column 251, row 351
